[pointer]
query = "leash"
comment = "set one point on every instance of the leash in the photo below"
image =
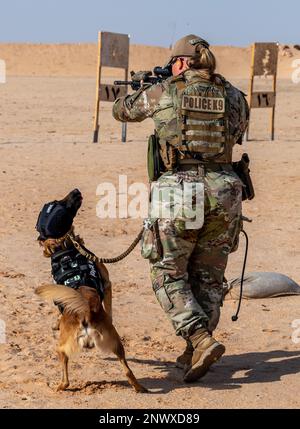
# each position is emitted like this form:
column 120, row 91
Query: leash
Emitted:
column 92, row 257
column 235, row 318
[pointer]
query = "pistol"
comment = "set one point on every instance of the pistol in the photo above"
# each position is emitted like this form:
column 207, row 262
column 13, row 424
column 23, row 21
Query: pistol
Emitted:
column 241, row 168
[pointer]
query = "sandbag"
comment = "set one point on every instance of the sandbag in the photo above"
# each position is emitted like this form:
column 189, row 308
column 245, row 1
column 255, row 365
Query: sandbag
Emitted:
column 262, row 285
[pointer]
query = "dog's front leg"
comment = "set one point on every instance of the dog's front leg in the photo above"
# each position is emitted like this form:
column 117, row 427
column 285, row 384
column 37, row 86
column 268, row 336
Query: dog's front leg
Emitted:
column 107, row 301
column 55, row 326
column 120, row 353
column 65, row 376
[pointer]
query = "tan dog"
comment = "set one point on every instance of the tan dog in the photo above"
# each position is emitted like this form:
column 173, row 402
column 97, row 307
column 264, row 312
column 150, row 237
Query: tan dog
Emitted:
column 86, row 320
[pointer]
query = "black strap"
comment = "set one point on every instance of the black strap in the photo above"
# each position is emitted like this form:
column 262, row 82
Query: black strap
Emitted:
column 235, row 318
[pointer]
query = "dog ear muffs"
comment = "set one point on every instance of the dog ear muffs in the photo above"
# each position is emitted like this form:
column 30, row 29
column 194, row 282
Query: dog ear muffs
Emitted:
column 54, row 221
column 56, row 218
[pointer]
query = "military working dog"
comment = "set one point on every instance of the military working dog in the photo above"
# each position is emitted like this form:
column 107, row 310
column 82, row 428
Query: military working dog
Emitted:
column 82, row 290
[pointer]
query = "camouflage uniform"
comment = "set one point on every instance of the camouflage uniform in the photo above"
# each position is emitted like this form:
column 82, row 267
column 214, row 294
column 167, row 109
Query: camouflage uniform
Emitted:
column 188, row 278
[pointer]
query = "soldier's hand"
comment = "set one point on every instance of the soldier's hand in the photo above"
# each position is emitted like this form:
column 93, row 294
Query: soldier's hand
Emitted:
column 140, row 76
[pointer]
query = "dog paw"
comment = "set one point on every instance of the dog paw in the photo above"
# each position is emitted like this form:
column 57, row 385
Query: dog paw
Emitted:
column 62, row 387
column 55, row 327
column 141, row 389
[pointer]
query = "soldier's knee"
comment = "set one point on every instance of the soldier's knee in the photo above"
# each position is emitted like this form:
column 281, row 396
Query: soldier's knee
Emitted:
column 163, row 298
column 166, row 289
column 173, row 292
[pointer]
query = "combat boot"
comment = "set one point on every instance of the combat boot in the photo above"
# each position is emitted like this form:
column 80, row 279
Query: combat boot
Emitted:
column 206, row 352
column 185, row 359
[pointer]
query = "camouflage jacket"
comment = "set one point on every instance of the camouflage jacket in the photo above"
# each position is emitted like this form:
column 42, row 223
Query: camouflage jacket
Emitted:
column 158, row 102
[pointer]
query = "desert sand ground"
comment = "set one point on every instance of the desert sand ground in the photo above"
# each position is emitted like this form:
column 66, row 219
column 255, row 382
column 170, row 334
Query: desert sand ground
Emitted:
column 45, row 151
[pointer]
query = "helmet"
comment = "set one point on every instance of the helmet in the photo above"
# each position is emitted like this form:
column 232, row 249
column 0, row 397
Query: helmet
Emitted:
column 187, row 46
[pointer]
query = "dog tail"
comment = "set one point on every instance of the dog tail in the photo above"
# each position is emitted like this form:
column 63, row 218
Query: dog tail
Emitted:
column 71, row 299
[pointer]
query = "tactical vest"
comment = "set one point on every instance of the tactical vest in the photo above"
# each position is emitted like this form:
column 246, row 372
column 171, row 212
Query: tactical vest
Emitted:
column 71, row 269
column 202, row 121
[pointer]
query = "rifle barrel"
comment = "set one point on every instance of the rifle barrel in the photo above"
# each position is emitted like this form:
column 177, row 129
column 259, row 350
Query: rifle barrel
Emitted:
column 122, row 82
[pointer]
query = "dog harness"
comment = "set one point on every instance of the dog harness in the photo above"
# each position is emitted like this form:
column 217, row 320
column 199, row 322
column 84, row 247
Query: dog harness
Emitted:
column 72, row 269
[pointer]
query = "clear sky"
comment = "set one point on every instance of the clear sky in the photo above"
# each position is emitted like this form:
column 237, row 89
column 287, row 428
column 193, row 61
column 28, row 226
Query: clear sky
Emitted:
column 157, row 22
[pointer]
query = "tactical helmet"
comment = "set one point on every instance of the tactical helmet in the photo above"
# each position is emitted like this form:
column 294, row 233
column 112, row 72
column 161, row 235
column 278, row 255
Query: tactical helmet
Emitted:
column 187, row 46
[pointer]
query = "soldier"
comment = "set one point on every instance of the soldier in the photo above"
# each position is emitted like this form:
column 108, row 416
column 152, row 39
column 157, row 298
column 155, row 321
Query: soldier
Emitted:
column 198, row 117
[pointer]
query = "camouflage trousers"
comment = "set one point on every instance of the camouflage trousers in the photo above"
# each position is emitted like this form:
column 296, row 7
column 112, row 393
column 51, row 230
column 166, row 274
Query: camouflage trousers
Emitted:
column 188, row 277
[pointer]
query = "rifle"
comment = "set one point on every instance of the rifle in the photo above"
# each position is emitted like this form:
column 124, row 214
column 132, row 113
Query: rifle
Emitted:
column 146, row 77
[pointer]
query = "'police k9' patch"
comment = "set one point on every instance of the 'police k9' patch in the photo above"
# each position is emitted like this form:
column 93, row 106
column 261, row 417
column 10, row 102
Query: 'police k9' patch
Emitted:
column 203, row 104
